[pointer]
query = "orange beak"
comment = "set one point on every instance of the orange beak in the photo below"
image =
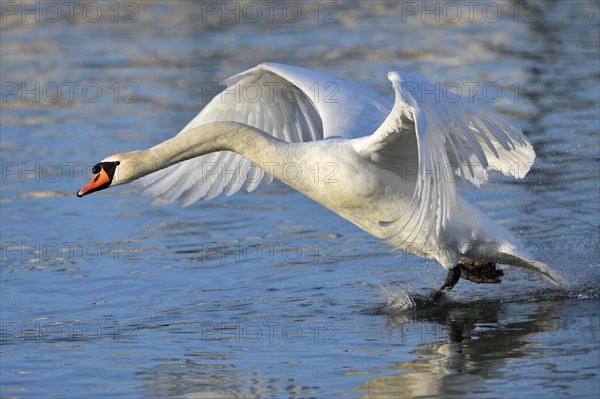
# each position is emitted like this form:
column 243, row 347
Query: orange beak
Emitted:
column 98, row 182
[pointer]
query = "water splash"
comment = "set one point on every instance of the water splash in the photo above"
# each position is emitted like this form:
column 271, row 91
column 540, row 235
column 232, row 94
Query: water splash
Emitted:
column 400, row 301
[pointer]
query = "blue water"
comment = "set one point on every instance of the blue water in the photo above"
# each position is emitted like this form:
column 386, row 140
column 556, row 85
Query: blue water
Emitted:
column 269, row 294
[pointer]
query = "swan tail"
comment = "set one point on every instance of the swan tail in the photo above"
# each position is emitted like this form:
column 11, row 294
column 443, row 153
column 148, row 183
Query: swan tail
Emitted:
column 534, row 265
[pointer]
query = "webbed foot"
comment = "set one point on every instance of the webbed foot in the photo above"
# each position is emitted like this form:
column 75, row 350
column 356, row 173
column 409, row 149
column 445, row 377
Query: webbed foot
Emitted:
column 485, row 273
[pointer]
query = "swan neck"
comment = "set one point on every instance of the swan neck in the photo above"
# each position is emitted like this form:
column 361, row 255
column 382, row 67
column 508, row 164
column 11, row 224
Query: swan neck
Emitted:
column 209, row 138
column 253, row 144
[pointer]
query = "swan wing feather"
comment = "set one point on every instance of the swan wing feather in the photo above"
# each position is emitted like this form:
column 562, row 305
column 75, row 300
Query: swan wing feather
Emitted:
column 445, row 139
column 290, row 103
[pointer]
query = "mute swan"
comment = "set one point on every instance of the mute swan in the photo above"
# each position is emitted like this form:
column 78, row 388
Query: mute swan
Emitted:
column 390, row 168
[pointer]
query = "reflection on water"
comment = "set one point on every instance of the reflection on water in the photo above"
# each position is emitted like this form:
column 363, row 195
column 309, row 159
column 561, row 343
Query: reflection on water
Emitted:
column 472, row 349
column 269, row 295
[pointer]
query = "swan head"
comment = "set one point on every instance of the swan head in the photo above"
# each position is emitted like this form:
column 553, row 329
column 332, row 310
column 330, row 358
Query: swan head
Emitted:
column 118, row 169
column 104, row 173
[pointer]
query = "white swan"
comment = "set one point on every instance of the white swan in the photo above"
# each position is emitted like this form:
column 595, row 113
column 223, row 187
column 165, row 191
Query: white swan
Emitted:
column 389, row 168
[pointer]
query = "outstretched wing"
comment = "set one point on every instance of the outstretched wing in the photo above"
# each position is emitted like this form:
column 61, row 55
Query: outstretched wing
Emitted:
column 290, row 103
column 438, row 138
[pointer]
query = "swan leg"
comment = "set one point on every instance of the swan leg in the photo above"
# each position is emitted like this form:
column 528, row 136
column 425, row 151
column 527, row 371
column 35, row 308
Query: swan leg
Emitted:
column 480, row 272
column 452, row 278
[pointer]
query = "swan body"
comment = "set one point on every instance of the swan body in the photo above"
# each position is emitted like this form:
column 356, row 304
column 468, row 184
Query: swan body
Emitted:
column 391, row 168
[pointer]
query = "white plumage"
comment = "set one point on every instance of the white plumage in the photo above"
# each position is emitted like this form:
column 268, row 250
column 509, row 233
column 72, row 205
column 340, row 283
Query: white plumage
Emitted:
column 396, row 164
